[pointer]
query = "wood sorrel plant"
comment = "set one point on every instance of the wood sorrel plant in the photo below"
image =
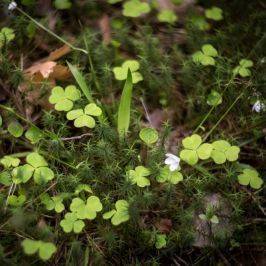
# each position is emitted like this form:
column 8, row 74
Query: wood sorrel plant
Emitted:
column 112, row 175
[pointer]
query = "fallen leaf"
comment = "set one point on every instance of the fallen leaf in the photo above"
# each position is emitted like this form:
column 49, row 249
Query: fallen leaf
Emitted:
column 41, row 77
column 45, row 69
column 58, row 53
column 164, row 225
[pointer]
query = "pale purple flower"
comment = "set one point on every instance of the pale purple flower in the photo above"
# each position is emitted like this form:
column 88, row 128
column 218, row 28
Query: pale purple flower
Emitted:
column 172, row 161
column 258, row 106
column 12, row 6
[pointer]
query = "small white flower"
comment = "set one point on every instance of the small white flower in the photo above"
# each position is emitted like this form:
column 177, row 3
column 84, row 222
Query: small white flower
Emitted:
column 12, row 6
column 258, row 106
column 172, row 160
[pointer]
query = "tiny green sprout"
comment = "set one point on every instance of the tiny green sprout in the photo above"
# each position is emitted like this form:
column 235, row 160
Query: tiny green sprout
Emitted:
column 160, row 241
column 213, row 219
column 44, row 249
column 33, row 134
column 120, row 214
column 36, row 166
column 15, row 129
column 86, row 210
column 195, row 149
column 62, row 4
column 83, row 118
column 148, row 135
column 214, row 13
column 9, row 161
column 222, row 151
column 121, row 72
column 72, row 223
column 172, row 177
column 243, row 68
column 135, row 8
column 200, row 23
column 205, row 56
column 250, row 177
column 167, row 16
column 53, row 203
column 138, row 176
column 63, row 99
column 6, row 36
column 16, row 201
column 214, row 98
column 83, row 187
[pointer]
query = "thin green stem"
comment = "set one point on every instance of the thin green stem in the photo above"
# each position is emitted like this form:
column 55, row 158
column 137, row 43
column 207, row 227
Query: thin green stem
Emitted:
column 20, row 154
column 51, row 32
column 204, row 119
column 213, row 107
column 223, row 116
column 57, row 159
column 95, row 80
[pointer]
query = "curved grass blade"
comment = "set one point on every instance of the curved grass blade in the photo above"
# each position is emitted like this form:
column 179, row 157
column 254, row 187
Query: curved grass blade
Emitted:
column 123, row 119
column 81, row 82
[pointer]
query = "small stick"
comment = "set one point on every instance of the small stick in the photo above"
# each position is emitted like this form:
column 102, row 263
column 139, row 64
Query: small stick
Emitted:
column 77, row 137
column 146, row 112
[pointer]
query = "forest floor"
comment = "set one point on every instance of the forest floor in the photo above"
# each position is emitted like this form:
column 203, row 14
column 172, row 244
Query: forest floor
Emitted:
column 132, row 132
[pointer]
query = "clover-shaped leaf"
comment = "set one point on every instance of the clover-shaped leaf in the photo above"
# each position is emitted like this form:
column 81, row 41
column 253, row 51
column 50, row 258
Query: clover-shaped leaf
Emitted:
column 83, row 118
column 195, row 149
column 86, row 210
column 250, row 177
column 214, row 98
column 15, row 129
column 44, row 249
column 200, row 23
column 243, row 68
column 22, row 174
column 6, row 36
column 36, row 166
column 148, row 135
column 160, row 241
column 53, row 203
column 63, row 99
column 33, row 134
column 214, row 13
column 5, row 178
column 213, row 219
column 138, row 176
column 168, row 16
column 72, row 223
column 9, row 161
column 222, row 151
column 206, row 55
column 121, row 72
column 120, row 214
column 16, row 201
column 166, row 175
column 135, row 8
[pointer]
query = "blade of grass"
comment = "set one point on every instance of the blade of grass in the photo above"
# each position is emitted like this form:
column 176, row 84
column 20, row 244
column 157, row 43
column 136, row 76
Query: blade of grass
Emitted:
column 81, row 82
column 85, row 88
column 124, row 106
